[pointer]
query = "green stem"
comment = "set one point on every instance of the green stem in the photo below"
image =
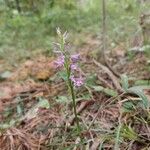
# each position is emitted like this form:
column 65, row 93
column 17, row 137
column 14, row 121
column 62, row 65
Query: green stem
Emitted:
column 70, row 85
column 74, row 105
column 71, row 88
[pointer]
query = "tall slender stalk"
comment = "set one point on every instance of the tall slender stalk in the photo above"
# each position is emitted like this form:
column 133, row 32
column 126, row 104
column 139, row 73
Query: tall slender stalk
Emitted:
column 103, row 27
column 69, row 82
column 72, row 92
column 104, row 40
column 74, row 104
column 18, row 6
column 101, row 53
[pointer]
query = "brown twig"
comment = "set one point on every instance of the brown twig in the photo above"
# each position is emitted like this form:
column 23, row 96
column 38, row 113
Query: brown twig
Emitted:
column 110, row 74
column 95, row 144
column 104, row 82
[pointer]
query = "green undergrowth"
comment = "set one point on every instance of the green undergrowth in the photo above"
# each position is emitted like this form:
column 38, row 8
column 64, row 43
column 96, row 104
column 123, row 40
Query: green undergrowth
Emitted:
column 32, row 32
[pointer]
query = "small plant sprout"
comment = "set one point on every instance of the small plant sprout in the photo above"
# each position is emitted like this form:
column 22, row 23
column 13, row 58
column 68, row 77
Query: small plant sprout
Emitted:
column 69, row 63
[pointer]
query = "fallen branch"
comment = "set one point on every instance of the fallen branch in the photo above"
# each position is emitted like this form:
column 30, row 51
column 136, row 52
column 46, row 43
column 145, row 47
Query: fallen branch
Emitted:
column 110, row 74
column 95, row 144
column 106, row 84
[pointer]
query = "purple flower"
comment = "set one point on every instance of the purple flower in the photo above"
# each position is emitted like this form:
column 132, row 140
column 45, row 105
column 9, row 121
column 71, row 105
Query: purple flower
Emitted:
column 75, row 58
column 72, row 78
column 77, row 81
column 60, row 61
column 74, row 67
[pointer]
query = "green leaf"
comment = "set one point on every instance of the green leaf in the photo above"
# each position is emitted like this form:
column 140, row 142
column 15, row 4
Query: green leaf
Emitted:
column 90, row 80
column 107, row 91
column 128, row 106
column 63, row 75
column 5, row 75
column 7, row 125
column 129, row 133
column 117, row 139
column 85, row 96
column 124, row 81
column 62, row 99
column 110, row 92
column 43, row 103
column 138, row 90
column 98, row 88
column 142, row 82
column 19, row 109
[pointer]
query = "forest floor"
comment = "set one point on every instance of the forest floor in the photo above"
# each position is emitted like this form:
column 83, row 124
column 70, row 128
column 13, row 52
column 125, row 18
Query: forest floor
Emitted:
column 36, row 113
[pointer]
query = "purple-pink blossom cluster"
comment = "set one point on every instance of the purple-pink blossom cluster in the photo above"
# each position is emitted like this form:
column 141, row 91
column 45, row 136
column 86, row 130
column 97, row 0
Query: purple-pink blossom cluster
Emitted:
column 75, row 75
column 60, row 61
column 78, row 81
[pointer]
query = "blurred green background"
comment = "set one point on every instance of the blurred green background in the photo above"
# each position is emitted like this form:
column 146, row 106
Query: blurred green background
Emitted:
column 27, row 27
